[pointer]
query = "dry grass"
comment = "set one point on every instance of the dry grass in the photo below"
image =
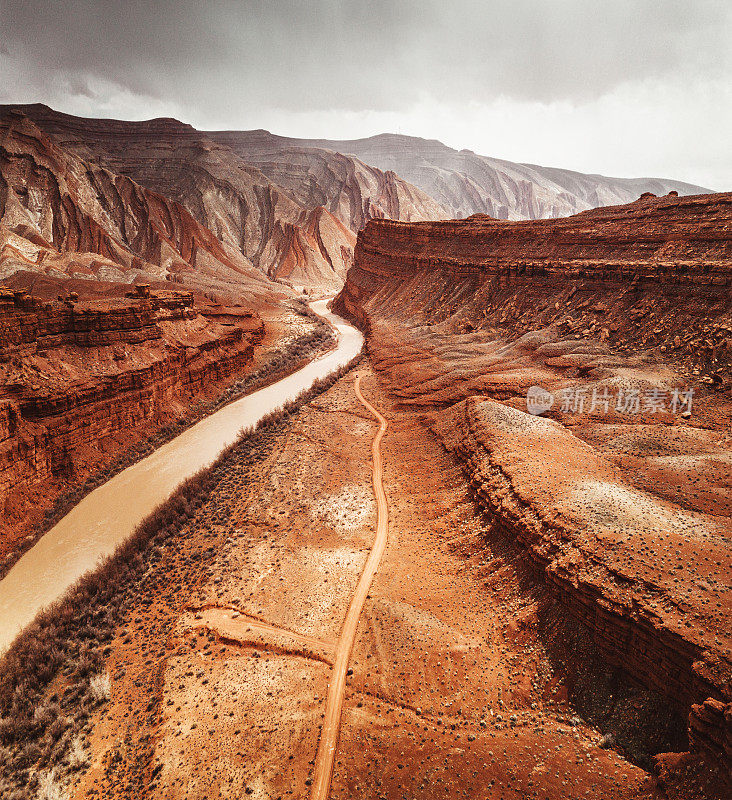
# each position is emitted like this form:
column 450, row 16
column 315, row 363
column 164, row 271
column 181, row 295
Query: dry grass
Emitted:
column 39, row 730
column 100, row 686
column 49, row 788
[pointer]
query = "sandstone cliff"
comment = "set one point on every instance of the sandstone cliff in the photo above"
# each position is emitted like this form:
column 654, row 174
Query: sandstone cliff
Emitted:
column 624, row 515
column 78, row 377
column 597, row 273
column 293, row 213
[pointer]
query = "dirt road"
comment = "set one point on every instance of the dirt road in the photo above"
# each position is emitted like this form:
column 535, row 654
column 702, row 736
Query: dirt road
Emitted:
column 336, row 689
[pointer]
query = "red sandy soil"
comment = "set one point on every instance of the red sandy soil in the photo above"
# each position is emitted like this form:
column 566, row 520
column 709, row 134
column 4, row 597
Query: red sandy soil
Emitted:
column 624, row 516
column 221, row 674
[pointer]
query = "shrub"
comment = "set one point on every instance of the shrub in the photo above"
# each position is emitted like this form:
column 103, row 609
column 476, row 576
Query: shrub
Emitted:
column 78, row 756
column 49, row 788
column 100, row 686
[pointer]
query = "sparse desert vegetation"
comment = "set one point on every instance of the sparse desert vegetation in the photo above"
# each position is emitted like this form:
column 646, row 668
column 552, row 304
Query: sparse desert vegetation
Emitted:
column 487, row 556
column 54, row 678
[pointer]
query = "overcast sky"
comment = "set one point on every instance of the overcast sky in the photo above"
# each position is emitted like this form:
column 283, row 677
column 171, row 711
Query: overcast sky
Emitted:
column 621, row 87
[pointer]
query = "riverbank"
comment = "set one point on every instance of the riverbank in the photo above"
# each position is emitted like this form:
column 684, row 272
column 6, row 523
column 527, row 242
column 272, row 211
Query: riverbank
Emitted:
column 82, row 378
column 219, row 636
column 291, row 340
column 56, row 675
column 110, row 513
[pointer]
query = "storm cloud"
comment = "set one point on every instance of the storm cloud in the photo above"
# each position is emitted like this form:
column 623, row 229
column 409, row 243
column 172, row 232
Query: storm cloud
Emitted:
column 631, row 87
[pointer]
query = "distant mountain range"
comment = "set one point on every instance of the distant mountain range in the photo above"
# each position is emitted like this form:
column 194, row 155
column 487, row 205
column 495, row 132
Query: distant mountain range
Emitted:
column 466, row 183
column 238, row 209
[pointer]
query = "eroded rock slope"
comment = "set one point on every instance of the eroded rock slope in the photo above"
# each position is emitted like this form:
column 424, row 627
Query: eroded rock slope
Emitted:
column 81, row 377
column 466, row 183
column 62, row 214
column 292, row 214
column 623, row 505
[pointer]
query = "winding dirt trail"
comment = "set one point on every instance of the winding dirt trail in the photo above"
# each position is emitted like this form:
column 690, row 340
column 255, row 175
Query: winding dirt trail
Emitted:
column 336, row 690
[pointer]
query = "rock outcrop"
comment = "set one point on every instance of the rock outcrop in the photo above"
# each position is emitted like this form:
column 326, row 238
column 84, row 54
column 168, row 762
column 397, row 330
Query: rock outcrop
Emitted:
column 623, row 511
column 292, row 214
column 352, row 190
column 653, row 273
column 610, row 554
column 77, row 375
column 59, row 212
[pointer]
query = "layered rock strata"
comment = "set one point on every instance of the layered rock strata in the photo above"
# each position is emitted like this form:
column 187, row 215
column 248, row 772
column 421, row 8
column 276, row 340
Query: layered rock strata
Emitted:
column 73, row 374
column 654, row 273
column 589, row 534
column 58, row 211
column 624, row 511
column 465, row 183
column 291, row 214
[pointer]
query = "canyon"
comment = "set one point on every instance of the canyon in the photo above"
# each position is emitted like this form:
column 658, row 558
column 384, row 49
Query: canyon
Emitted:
column 90, row 373
column 293, row 220
column 629, row 299
column 287, row 208
column 487, row 557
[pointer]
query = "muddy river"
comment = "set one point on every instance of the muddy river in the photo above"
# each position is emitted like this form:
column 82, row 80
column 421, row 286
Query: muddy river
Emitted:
column 107, row 516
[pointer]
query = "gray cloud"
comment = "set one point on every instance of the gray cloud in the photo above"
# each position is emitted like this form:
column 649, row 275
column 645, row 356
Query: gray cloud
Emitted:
column 237, row 63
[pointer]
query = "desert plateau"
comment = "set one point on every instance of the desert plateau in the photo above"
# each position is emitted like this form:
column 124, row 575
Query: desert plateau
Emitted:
column 342, row 463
